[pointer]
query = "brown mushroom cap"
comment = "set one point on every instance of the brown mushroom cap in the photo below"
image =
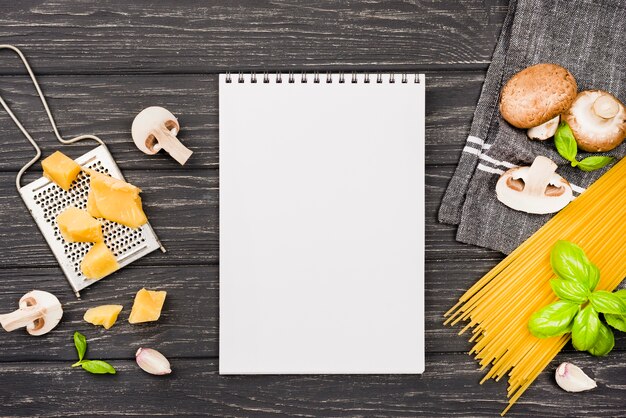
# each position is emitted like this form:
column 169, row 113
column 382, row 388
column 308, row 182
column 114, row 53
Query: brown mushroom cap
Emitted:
column 537, row 94
column 598, row 121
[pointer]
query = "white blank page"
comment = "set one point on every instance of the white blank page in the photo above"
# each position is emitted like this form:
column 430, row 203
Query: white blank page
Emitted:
column 321, row 225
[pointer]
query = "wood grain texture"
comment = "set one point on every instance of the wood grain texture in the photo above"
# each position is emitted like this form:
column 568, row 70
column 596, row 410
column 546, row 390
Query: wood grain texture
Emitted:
column 106, row 106
column 195, row 389
column 189, row 36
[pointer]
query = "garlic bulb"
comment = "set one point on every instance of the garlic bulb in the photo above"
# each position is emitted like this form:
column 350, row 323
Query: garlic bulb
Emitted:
column 572, row 379
column 153, row 362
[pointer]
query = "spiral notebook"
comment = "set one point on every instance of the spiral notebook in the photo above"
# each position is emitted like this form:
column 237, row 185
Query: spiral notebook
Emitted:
column 321, row 223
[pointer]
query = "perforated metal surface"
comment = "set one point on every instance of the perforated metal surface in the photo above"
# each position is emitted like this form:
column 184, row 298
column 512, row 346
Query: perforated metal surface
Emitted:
column 46, row 200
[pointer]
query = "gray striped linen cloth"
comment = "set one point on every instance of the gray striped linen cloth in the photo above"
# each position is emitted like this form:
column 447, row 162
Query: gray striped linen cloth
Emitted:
column 584, row 36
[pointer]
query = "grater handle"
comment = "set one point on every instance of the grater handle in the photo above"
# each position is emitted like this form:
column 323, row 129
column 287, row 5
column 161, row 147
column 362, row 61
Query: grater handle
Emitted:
column 50, row 118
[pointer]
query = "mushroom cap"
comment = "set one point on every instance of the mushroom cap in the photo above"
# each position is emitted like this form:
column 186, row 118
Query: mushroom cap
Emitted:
column 594, row 133
column 535, row 189
column 148, row 119
column 537, row 94
column 48, row 307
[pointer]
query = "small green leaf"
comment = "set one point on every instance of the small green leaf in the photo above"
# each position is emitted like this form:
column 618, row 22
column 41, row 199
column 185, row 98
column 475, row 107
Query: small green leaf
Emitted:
column 570, row 290
column 81, row 345
column 605, row 342
column 621, row 293
column 593, row 276
column 616, row 321
column 569, row 262
column 552, row 320
column 565, row 142
column 98, row 367
column 585, row 329
column 594, row 163
column 607, row 302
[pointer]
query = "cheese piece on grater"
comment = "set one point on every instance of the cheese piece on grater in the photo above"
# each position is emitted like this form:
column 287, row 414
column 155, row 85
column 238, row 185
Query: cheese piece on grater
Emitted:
column 77, row 225
column 98, row 262
column 61, row 169
column 115, row 200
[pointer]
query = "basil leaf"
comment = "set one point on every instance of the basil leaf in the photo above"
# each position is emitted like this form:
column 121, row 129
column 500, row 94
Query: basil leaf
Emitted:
column 605, row 342
column 569, row 262
column 616, row 321
column 98, row 367
column 570, row 290
column 594, row 163
column 585, row 329
column 621, row 293
column 80, row 342
column 565, row 142
column 593, row 276
column 552, row 320
column 607, row 302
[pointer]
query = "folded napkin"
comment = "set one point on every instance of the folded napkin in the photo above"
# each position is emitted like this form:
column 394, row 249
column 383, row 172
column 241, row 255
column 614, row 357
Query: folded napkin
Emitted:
column 584, row 36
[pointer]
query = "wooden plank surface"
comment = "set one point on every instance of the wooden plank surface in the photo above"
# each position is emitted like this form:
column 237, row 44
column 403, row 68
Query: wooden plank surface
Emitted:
column 447, row 388
column 102, row 62
column 189, row 36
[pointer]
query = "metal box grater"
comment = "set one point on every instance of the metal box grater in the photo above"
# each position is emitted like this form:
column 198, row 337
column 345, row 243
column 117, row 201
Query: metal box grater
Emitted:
column 45, row 200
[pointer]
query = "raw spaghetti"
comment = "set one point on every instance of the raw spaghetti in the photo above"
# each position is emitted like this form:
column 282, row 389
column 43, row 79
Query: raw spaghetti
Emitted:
column 500, row 304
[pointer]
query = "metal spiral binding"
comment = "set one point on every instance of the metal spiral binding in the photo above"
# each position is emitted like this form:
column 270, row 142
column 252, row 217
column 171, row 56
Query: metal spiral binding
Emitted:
column 291, row 78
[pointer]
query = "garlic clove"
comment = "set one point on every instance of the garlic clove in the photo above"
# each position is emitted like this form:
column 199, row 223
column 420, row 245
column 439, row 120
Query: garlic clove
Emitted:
column 572, row 379
column 153, row 362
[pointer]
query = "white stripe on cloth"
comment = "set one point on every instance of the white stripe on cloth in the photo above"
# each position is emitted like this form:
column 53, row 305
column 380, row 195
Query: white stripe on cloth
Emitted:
column 475, row 140
column 498, row 171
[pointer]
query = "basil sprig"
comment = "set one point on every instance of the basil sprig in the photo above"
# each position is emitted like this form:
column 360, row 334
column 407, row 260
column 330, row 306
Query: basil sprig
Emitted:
column 580, row 305
column 568, row 148
column 92, row 366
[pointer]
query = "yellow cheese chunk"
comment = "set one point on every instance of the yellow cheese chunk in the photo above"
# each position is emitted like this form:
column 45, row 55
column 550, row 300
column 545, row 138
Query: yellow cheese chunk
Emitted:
column 104, row 315
column 98, row 262
column 77, row 225
column 116, row 200
column 147, row 306
column 61, row 169
column 91, row 205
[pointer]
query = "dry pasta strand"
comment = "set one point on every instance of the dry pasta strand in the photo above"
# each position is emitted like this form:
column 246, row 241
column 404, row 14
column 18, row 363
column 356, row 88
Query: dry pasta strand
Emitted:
column 499, row 305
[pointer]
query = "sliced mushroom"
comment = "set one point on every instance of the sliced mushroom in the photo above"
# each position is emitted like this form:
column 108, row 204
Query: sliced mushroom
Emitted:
column 545, row 131
column 536, row 95
column 535, row 189
column 598, row 121
column 155, row 128
column 39, row 312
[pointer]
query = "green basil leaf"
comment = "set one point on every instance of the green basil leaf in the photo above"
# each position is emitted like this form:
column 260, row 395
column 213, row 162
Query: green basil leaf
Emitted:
column 552, row 320
column 585, row 329
column 570, row 290
column 565, row 142
column 569, row 262
column 593, row 276
column 621, row 293
column 616, row 321
column 607, row 302
column 594, row 163
column 81, row 344
column 98, row 367
column 605, row 342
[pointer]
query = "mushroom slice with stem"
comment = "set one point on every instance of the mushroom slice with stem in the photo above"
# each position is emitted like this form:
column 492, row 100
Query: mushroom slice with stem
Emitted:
column 155, row 128
column 39, row 312
column 535, row 189
column 597, row 120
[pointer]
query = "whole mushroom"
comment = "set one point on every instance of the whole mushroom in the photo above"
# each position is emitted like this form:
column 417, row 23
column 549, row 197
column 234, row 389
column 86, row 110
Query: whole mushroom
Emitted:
column 155, row 128
column 597, row 120
column 535, row 97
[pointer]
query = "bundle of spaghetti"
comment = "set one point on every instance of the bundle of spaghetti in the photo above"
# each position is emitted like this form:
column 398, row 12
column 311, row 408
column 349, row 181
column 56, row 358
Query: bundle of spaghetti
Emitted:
column 500, row 304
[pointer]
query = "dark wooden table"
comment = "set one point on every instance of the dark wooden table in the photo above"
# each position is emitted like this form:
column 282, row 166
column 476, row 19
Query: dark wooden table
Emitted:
column 99, row 64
